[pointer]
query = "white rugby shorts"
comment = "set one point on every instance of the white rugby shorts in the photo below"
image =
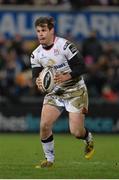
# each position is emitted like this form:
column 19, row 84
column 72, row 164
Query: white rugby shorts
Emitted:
column 75, row 101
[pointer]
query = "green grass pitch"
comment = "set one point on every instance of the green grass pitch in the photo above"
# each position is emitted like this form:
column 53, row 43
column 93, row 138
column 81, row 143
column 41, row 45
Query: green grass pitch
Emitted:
column 19, row 153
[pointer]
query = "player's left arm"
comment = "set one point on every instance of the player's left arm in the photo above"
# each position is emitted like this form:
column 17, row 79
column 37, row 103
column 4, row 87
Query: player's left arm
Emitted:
column 61, row 77
column 77, row 65
column 75, row 61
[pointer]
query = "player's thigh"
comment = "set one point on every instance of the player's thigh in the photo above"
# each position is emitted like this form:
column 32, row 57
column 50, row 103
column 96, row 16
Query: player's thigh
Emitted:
column 76, row 121
column 49, row 114
column 77, row 107
column 78, row 101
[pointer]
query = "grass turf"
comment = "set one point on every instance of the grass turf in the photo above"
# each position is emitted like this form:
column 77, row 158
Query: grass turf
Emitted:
column 19, row 153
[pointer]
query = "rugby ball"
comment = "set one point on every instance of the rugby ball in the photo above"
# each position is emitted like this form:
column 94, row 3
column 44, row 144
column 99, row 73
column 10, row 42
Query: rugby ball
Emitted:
column 47, row 79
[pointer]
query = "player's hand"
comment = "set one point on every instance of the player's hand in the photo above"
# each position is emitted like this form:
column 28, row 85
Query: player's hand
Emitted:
column 61, row 77
column 38, row 82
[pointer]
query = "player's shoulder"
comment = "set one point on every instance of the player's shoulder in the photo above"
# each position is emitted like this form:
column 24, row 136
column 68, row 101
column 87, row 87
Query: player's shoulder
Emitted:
column 36, row 51
column 62, row 42
column 67, row 46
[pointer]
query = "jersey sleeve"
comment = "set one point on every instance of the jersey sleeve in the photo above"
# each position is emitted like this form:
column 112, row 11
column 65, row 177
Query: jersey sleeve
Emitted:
column 36, row 67
column 74, row 59
column 69, row 50
column 34, row 60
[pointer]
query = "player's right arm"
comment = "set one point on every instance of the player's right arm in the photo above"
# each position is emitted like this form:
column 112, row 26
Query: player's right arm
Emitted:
column 36, row 70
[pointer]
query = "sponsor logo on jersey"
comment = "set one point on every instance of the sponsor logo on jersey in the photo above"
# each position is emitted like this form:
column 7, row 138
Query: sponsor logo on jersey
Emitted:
column 59, row 66
column 51, row 62
column 66, row 45
column 72, row 48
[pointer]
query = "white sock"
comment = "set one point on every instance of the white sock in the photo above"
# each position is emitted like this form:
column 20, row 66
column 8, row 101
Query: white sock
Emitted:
column 89, row 137
column 48, row 148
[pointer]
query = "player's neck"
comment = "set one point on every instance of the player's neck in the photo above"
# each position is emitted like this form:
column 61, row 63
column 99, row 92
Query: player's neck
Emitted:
column 47, row 47
column 50, row 45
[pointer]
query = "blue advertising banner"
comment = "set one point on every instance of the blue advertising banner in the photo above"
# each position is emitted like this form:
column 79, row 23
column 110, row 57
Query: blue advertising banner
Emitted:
column 25, row 117
column 77, row 24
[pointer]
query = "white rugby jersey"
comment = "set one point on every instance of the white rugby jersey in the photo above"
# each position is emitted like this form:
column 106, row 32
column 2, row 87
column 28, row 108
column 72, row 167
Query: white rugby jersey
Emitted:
column 58, row 56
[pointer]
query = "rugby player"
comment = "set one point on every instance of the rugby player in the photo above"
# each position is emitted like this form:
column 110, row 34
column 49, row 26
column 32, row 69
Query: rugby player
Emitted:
column 71, row 92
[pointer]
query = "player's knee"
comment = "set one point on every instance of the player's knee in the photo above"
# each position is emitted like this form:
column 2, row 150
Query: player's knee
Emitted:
column 44, row 126
column 77, row 133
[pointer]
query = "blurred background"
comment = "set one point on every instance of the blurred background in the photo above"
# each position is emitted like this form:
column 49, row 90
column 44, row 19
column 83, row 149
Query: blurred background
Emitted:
column 93, row 25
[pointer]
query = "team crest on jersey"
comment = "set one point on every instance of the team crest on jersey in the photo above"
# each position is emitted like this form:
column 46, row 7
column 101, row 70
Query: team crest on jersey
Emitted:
column 56, row 52
column 51, row 62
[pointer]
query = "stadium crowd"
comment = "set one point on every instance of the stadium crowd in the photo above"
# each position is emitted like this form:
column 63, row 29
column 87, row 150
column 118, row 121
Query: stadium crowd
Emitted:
column 102, row 63
column 75, row 4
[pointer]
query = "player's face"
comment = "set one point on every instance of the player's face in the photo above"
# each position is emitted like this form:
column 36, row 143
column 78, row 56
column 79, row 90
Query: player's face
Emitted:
column 45, row 35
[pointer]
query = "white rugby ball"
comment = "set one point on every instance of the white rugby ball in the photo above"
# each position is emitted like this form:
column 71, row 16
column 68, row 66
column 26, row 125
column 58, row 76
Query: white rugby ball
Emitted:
column 47, row 79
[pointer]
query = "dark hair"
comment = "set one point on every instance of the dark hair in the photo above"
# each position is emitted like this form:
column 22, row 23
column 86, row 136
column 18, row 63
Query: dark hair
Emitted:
column 42, row 21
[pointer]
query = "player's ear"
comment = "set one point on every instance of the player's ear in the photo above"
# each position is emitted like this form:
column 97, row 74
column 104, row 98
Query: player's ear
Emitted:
column 52, row 31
